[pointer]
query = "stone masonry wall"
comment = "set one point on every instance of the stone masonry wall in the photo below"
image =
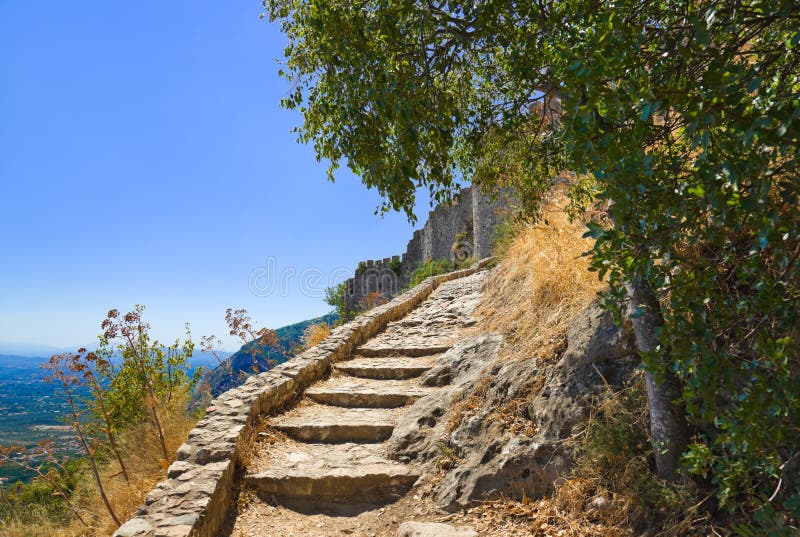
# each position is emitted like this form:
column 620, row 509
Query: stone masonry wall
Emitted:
column 487, row 214
column 195, row 498
column 459, row 231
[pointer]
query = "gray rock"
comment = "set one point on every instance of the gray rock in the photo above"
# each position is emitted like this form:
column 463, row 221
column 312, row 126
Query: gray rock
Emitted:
column 135, row 527
column 598, row 352
column 460, row 364
column 178, row 468
column 183, row 520
column 418, row 432
column 434, row 529
column 493, row 461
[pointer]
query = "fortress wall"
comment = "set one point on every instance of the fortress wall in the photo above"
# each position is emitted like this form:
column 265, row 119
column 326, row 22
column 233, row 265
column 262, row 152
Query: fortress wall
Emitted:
column 458, row 231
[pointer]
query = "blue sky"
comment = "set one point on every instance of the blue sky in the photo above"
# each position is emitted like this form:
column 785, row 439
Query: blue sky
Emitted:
column 144, row 159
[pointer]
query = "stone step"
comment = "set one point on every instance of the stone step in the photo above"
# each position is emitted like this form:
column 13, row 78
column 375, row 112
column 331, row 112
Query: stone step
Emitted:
column 380, row 350
column 338, row 473
column 366, row 393
column 389, row 368
column 323, row 423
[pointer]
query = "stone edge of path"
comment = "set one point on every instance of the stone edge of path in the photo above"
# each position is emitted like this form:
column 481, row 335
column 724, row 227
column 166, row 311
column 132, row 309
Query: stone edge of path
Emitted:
column 194, row 499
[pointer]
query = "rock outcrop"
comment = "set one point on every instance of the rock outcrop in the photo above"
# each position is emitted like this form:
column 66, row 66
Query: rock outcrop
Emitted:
column 491, row 458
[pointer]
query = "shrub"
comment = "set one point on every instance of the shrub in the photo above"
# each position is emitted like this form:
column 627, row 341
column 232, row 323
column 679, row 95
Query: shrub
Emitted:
column 372, row 300
column 336, row 297
column 136, row 417
column 314, row 334
column 429, row 268
column 149, row 371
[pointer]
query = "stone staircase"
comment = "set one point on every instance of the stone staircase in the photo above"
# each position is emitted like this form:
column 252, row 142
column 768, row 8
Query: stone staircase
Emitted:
column 333, row 450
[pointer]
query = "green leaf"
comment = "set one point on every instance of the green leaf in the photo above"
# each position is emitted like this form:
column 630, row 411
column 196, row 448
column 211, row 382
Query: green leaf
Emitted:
column 793, row 39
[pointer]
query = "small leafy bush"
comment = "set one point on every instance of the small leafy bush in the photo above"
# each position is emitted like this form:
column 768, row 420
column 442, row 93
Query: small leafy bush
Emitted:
column 432, row 267
column 335, row 296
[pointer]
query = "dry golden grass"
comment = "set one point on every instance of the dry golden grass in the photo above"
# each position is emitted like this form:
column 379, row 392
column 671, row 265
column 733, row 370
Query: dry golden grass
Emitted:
column 141, row 452
column 542, row 282
column 142, row 455
column 467, row 406
column 314, row 334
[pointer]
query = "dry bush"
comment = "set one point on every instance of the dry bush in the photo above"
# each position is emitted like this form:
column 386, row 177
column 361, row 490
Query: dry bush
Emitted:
column 372, row 300
column 541, row 284
column 468, row 405
column 141, row 448
column 314, row 334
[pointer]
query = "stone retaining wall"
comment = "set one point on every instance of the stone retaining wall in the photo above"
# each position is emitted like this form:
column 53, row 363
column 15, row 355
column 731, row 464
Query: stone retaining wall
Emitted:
column 194, row 499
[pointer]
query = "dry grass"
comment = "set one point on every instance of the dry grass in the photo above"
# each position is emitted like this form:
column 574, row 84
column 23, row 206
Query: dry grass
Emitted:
column 44, row 529
column 142, row 455
column 541, row 283
column 314, row 334
column 467, row 406
column 141, row 450
column 513, row 416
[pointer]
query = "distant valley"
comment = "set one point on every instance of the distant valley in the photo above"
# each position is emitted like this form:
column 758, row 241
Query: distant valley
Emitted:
column 30, row 409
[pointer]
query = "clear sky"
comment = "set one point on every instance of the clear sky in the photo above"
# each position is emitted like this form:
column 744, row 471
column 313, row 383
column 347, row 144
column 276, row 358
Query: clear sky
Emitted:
column 144, row 159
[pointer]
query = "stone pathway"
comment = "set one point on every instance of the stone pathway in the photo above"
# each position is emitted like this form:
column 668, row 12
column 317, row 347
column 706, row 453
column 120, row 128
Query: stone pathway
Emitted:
column 321, row 468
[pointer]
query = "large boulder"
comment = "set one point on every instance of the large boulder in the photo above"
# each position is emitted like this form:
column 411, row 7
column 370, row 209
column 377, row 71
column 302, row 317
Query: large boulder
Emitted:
column 490, row 458
column 495, row 461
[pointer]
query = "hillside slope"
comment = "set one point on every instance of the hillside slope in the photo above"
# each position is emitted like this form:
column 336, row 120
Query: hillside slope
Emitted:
column 233, row 372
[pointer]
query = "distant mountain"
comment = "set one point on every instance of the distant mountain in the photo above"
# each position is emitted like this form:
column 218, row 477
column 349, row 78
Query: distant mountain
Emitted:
column 9, row 361
column 14, row 348
column 24, row 361
column 240, row 364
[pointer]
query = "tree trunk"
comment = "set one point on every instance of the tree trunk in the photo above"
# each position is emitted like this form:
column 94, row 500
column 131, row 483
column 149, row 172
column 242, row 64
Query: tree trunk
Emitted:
column 668, row 427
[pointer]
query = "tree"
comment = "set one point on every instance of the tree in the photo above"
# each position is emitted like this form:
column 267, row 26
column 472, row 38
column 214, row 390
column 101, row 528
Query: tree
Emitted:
column 256, row 341
column 84, row 365
column 148, row 373
column 336, row 297
column 680, row 116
